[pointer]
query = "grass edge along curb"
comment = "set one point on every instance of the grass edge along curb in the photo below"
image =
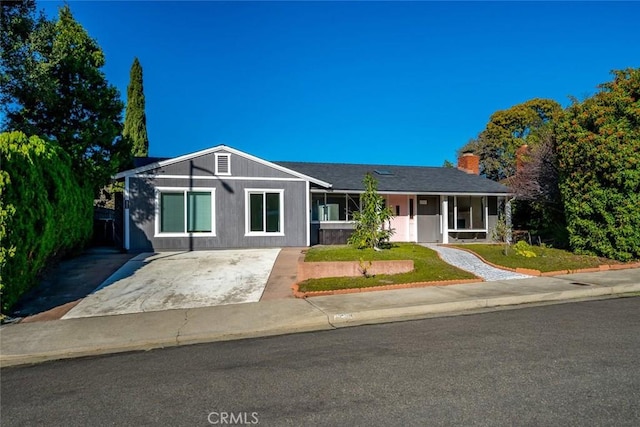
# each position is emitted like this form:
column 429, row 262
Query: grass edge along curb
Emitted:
column 304, row 294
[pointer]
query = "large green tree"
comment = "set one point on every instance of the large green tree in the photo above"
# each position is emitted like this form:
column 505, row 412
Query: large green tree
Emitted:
column 506, row 131
column 24, row 34
column 135, row 119
column 53, row 86
column 599, row 159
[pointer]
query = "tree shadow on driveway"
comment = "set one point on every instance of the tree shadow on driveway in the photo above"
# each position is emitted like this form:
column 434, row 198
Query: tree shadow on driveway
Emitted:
column 70, row 281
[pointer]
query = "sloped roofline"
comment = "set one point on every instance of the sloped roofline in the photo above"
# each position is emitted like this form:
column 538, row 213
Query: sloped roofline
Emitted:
column 217, row 148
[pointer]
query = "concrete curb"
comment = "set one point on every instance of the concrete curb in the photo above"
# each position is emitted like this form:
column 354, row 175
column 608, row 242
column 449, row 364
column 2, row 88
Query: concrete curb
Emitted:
column 27, row 359
column 428, row 310
column 198, row 329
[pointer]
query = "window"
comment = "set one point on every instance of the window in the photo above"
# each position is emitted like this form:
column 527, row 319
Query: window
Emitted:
column 264, row 212
column 183, row 212
column 223, row 164
column 466, row 213
column 334, row 207
column 353, row 205
column 198, row 212
column 317, row 203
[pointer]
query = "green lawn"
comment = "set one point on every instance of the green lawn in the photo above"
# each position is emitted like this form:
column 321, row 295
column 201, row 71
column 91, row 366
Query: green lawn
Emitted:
column 428, row 267
column 546, row 259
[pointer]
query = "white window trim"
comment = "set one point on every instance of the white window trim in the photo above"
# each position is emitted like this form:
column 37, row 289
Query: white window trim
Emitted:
column 247, row 212
column 185, row 190
column 228, row 156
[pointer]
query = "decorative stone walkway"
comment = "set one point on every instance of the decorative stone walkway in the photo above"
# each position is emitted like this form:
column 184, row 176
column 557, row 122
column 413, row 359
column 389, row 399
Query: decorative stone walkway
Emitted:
column 473, row 264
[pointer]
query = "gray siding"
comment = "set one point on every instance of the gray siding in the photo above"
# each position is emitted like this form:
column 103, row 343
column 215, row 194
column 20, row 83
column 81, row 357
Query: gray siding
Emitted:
column 229, row 215
column 205, row 166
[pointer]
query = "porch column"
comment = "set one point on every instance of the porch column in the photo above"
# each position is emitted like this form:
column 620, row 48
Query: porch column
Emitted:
column 445, row 219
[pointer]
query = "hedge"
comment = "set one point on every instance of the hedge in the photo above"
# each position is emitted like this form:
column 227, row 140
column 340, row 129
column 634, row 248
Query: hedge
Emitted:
column 599, row 158
column 44, row 211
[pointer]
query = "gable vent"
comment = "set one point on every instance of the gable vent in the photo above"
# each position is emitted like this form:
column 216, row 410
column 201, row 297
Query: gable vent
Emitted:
column 223, row 164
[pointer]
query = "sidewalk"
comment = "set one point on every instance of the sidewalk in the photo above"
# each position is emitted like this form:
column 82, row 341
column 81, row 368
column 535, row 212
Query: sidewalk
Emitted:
column 25, row 343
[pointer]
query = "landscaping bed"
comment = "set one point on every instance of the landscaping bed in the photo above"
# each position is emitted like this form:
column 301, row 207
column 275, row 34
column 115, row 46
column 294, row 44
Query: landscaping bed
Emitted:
column 428, row 267
column 546, row 260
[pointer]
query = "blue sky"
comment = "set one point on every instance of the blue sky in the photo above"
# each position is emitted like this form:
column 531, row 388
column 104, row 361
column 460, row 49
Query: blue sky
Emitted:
column 351, row 82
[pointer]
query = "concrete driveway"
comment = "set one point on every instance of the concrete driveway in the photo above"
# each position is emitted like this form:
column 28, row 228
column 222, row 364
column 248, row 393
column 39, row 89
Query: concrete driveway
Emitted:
column 174, row 280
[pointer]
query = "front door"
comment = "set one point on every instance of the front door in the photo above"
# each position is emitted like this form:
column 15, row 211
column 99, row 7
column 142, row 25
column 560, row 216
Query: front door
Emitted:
column 429, row 219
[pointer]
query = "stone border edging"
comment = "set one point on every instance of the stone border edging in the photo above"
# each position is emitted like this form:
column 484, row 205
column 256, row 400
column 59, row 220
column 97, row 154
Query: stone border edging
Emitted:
column 538, row 273
column 301, row 294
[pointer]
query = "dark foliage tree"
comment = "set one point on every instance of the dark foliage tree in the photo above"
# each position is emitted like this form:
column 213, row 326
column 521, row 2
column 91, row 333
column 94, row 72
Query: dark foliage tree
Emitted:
column 135, row 121
column 53, row 86
column 539, row 207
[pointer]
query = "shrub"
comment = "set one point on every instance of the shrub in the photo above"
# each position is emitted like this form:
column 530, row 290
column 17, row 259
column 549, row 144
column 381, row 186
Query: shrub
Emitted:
column 524, row 249
column 44, row 211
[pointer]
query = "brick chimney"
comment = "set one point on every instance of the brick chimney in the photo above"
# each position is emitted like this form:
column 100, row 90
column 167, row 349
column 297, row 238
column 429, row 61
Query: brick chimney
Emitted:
column 469, row 163
column 522, row 154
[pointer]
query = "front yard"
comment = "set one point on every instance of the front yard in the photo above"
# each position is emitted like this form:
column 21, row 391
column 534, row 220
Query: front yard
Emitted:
column 546, row 259
column 428, row 267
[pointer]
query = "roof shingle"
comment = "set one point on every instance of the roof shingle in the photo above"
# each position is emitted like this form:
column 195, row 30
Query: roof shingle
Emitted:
column 411, row 179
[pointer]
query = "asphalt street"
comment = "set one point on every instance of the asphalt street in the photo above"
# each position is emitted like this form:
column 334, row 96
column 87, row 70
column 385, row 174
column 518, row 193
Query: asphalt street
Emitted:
column 567, row 364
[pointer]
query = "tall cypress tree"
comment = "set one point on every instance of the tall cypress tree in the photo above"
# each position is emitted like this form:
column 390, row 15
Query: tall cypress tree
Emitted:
column 135, row 121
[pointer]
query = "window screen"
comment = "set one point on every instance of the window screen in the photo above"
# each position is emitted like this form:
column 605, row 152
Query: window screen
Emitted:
column 199, row 212
column 172, row 212
column 257, row 210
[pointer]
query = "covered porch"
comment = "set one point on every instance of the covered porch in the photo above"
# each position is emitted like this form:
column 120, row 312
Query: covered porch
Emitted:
column 420, row 218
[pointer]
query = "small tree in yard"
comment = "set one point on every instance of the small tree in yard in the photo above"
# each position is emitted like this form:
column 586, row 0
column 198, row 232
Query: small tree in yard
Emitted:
column 502, row 234
column 369, row 231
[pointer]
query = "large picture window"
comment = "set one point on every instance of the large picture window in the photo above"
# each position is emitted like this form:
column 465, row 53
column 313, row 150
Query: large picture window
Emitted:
column 467, row 213
column 183, row 212
column 264, row 212
column 334, row 207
